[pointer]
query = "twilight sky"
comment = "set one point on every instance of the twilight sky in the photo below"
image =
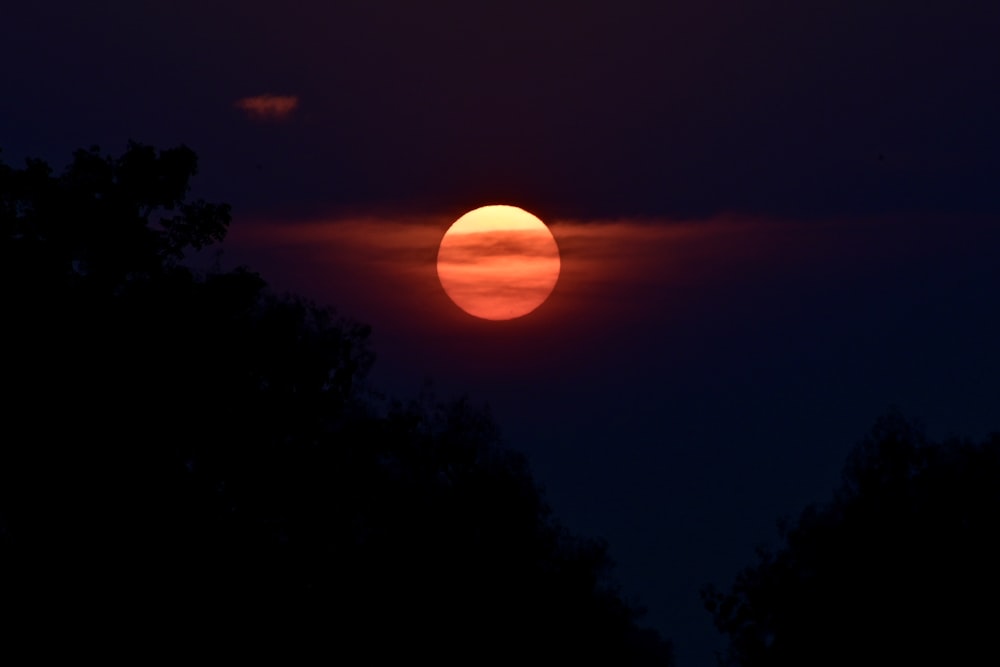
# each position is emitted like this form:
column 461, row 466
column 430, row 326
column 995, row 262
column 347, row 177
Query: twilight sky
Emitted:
column 776, row 219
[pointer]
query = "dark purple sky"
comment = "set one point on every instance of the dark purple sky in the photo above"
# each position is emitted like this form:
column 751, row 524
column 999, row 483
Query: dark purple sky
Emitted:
column 777, row 219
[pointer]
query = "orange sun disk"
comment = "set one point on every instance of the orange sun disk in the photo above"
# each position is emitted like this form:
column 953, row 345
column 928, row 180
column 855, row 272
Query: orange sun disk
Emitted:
column 498, row 262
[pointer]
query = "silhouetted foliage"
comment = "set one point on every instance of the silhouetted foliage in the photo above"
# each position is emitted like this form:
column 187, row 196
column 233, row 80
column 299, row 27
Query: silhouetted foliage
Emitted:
column 901, row 567
column 193, row 460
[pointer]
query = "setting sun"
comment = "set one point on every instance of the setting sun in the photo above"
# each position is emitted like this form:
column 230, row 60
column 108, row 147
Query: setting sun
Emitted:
column 498, row 262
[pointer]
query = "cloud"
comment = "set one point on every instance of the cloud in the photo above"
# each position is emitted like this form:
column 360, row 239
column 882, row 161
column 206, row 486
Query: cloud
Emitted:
column 385, row 272
column 616, row 273
column 268, row 107
column 474, row 248
column 763, row 295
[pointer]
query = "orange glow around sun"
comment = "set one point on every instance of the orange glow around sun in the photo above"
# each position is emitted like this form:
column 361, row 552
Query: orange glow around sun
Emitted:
column 498, row 262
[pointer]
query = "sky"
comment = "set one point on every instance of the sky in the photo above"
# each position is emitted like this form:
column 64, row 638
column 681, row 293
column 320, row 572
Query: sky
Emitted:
column 776, row 219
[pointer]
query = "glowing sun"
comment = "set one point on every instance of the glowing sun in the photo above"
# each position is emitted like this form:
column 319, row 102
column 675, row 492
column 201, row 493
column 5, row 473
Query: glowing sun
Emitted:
column 498, row 262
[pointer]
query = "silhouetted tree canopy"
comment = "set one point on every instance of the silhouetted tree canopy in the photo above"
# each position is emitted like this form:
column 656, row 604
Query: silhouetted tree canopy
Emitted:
column 901, row 567
column 192, row 460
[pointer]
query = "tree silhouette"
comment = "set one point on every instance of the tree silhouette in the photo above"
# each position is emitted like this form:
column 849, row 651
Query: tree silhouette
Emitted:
column 901, row 567
column 193, row 460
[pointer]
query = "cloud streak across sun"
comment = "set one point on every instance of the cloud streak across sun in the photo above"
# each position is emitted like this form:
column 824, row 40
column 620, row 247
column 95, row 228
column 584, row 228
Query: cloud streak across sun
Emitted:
column 608, row 268
column 615, row 274
column 470, row 248
column 268, row 107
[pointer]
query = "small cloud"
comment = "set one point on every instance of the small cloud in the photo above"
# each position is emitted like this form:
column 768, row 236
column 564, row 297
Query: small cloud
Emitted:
column 268, row 107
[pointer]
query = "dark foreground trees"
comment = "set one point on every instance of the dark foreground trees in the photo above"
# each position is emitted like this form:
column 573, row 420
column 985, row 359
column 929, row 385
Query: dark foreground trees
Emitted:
column 191, row 464
column 902, row 567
